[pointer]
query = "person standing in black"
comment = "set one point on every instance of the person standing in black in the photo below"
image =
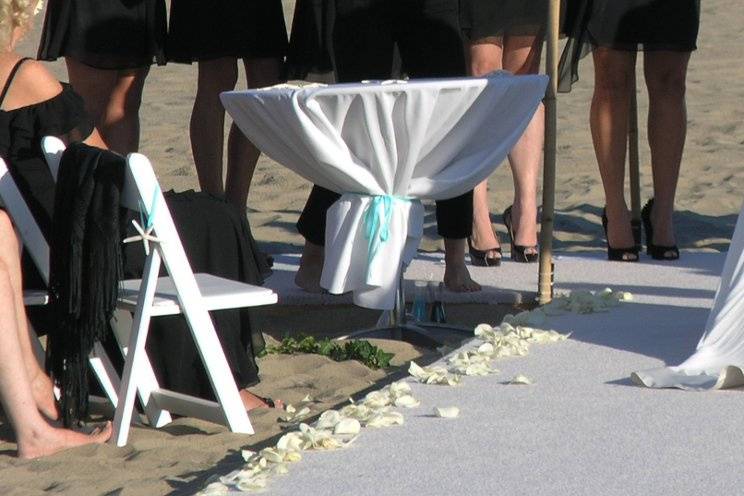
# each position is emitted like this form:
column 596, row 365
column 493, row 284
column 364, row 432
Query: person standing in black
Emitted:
column 370, row 39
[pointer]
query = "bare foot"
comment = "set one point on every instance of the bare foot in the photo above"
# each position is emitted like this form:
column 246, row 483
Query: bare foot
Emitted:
column 43, row 392
column 252, row 401
column 311, row 267
column 457, row 278
column 456, row 275
column 52, row 440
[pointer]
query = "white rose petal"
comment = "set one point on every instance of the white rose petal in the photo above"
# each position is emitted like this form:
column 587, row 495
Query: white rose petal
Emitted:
column 328, row 419
column 377, row 399
column 386, row 419
column 347, row 426
column 291, row 442
column 407, row 401
column 272, row 455
column 521, row 379
column 447, row 412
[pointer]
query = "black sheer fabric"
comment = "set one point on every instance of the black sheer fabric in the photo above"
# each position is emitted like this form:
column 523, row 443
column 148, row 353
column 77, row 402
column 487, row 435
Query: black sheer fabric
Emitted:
column 628, row 25
column 483, row 18
column 310, row 54
column 645, row 24
column 106, row 34
column 204, row 30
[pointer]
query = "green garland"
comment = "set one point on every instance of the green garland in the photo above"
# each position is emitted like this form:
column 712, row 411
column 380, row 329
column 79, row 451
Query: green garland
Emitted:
column 357, row 349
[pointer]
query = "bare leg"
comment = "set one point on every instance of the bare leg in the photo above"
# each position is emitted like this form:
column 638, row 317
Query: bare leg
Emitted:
column 609, row 122
column 667, row 128
column 456, row 275
column 113, row 98
column 207, row 126
column 242, row 155
column 35, row 437
column 485, row 56
column 311, row 267
column 41, row 385
column 522, row 56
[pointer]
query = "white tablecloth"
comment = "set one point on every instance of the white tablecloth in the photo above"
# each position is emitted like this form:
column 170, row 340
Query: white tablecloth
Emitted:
column 384, row 146
column 718, row 361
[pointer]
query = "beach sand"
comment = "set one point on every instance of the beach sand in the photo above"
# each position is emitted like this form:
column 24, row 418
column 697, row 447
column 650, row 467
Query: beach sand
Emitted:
column 178, row 458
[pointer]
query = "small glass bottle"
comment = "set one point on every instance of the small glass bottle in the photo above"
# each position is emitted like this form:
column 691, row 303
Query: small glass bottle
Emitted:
column 436, row 308
column 419, row 301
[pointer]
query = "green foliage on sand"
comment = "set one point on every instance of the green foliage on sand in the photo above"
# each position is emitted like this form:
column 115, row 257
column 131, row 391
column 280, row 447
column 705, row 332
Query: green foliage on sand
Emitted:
column 357, row 349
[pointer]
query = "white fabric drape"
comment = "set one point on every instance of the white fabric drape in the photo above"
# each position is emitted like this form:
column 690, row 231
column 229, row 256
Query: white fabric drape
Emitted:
column 718, row 362
column 406, row 141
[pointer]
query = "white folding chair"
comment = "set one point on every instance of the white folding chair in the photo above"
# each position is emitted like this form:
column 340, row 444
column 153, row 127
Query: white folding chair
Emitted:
column 183, row 292
column 36, row 245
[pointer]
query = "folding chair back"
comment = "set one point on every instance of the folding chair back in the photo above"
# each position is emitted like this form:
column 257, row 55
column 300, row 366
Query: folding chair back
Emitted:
column 30, row 234
column 184, row 292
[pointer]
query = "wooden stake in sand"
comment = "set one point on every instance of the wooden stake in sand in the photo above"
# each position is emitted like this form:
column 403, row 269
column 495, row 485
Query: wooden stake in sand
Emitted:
column 545, row 281
column 634, row 162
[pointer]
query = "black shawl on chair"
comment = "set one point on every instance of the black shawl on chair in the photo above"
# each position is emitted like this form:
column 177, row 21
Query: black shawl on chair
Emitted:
column 85, row 266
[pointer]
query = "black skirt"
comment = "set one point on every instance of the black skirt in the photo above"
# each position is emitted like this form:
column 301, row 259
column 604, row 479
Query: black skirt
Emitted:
column 106, row 34
column 485, row 18
column 646, row 24
column 206, row 30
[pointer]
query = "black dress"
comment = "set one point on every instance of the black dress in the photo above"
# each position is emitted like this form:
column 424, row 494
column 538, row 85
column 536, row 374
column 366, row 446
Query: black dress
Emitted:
column 647, row 24
column 105, row 34
column 484, row 18
column 246, row 29
column 21, row 131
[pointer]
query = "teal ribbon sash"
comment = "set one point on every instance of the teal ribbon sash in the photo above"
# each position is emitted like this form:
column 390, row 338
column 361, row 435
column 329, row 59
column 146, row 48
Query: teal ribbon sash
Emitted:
column 377, row 219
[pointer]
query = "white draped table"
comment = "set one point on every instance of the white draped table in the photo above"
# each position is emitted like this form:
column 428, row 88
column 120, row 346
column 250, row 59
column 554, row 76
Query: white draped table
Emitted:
column 718, row 362
column 384, row 146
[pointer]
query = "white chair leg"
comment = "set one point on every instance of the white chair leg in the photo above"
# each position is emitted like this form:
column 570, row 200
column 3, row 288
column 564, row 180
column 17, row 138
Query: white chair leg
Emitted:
column 156, row 416
column 132, row 376
column 105, row 373
column 217, row 369
column 39, row 352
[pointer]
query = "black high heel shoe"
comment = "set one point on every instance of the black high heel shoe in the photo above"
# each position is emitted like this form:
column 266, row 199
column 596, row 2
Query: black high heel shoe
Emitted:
column 618, row 254
column 480, row 258
column 518, row 252
column 657, row 252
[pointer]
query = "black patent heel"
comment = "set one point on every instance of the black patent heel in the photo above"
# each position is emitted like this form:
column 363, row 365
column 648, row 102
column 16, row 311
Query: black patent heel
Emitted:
column 518, row 252
column 657, row 252
column 618, row 254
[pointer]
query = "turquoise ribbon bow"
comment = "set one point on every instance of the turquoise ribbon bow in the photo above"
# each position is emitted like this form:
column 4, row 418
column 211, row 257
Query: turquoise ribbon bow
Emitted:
column 377, row 224
column 153, row 209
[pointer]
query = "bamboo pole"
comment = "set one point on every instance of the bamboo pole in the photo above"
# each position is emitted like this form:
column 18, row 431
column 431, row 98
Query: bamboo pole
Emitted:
column 545, row 280
column 634, row 164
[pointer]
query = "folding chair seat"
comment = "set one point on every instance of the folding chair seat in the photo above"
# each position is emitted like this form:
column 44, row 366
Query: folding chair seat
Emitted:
column 181, row 292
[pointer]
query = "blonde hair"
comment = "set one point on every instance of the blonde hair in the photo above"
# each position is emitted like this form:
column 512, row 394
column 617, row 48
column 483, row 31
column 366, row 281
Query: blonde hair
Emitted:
column 15, row 14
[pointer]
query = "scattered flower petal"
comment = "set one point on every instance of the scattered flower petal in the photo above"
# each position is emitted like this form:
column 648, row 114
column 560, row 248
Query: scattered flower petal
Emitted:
column 447, row 411
column 521, row 379
column 407, row 401
column 347, row 426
